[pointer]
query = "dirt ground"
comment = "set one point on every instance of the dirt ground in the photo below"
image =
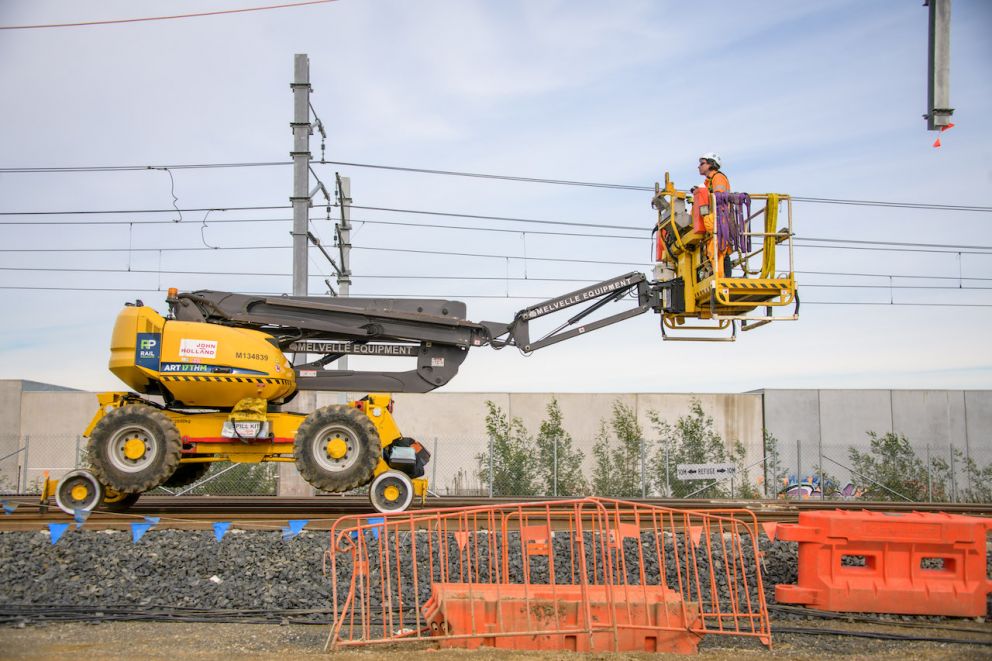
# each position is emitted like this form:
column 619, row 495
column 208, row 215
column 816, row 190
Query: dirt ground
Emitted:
column 141, row 640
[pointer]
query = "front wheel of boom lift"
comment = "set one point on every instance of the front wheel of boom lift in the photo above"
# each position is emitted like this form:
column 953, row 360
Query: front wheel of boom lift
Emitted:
column 134, row 448
column 337, row 448
column 78, row 490
column 392, row 491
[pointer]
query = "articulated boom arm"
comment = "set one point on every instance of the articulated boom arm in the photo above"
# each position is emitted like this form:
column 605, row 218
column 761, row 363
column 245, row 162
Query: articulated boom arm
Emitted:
column 434, row 331
column 598, row 295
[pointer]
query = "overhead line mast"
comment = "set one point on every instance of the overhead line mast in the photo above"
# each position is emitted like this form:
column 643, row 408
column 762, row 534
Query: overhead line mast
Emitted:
column 301, row 171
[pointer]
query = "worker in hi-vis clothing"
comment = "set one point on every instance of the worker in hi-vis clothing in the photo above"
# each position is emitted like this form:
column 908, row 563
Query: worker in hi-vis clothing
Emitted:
column 716, row 182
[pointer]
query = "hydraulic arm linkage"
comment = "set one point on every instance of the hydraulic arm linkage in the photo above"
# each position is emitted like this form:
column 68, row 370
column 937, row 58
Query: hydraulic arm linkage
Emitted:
column 433, row 331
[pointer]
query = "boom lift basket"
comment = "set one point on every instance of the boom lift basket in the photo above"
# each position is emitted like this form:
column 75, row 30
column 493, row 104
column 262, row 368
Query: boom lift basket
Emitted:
column 742, row 239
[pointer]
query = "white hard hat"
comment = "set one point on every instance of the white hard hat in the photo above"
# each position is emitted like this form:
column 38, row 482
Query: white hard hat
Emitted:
column 712, row 156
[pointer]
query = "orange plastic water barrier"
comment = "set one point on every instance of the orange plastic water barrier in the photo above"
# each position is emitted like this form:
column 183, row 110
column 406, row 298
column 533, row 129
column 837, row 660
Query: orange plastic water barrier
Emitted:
column 587, row 574
column 875, row 562
column 552, row 617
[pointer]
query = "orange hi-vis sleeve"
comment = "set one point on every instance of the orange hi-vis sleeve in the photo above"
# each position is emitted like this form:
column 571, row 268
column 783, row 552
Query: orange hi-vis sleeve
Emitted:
column 718, row 183
column 700, row 198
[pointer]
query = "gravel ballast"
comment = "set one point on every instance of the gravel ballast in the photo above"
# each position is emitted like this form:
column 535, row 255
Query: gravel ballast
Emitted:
column 260, row 571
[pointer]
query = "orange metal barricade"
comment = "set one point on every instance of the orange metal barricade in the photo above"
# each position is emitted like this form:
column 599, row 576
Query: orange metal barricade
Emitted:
column 586, row 574
column 876, row 562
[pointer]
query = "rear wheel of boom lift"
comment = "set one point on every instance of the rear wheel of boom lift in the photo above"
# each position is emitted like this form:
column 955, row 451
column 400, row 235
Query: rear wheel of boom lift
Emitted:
column 337, row 448
column 78, row 490
column 392, row 491
column 134, row 448
column 118, row 501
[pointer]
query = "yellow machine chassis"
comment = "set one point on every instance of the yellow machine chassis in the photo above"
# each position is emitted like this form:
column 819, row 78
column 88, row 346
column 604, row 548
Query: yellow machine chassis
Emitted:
column 203, row 431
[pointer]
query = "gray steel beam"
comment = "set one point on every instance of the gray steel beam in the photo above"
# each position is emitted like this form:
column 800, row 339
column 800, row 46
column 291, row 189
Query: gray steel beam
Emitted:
column 939, row 108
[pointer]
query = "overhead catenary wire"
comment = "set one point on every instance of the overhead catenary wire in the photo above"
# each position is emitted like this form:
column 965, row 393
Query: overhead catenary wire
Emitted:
column 164, row 18
column 477, row 296
column 836, row 243
column 896, row 246
column 932, row 206
column 100, row 223
column 131, row 249
column 138, row 168
column 370, row 248
column 405, row 275
column 69, row 223
column 87, row 212
column 882, row 248
column 526, row 258
column 594, row 184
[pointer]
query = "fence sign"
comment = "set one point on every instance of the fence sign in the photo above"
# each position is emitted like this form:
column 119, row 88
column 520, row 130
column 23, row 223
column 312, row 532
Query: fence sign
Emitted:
column 705, row 471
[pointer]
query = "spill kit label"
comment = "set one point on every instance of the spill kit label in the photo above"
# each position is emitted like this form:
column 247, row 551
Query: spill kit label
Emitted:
column 198, row 348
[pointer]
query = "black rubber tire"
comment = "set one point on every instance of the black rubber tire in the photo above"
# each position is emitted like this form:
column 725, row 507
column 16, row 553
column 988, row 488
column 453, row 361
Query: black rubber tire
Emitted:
column 122, row 504
column 153, row 470
column 187, row 474
column 309, row 448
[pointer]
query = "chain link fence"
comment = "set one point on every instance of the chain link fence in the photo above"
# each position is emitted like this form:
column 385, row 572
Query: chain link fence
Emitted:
column 882, row 467
column 892, row 468
column 885, row 467
column 24, row 461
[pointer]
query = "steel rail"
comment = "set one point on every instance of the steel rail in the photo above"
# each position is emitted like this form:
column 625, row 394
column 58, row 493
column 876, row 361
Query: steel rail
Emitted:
column 272, row 512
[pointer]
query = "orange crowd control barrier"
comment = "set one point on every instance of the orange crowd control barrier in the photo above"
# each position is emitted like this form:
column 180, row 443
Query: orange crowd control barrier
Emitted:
column 587, row 574
column 876, row 562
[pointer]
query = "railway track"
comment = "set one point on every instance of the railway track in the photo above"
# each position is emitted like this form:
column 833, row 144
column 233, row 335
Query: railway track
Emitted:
column 199, row 512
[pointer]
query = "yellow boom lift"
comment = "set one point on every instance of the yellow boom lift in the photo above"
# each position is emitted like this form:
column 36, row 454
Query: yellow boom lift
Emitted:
column 217, row 364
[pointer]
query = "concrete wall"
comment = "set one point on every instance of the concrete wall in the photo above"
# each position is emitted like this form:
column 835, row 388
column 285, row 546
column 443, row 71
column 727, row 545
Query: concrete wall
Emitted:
column 808, row 422
column 45, row 425
column 52, row 423
column 452, row 425
column 978, row 422
column 10, row 436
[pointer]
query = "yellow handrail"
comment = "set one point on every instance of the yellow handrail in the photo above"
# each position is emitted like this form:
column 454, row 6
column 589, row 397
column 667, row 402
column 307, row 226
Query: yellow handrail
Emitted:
column 771, row 220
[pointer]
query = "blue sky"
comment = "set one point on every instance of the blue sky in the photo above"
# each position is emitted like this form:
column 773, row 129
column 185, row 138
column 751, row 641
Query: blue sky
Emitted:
column 816, row 99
